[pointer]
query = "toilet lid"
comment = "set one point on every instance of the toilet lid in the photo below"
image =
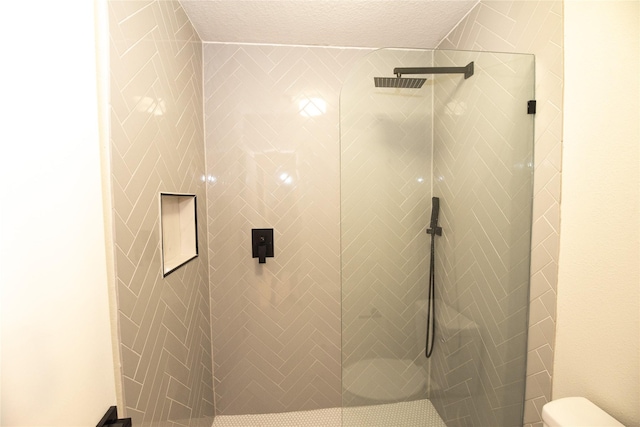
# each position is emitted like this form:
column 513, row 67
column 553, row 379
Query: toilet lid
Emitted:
column 576, row 411
column 384, row 379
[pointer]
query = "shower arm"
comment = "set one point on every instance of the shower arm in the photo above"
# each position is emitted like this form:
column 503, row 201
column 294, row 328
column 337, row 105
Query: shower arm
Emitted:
column 466, row 70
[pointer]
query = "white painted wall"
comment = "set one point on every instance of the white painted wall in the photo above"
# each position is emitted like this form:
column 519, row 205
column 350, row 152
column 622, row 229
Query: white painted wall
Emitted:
column 56, row 360
column 597, row 344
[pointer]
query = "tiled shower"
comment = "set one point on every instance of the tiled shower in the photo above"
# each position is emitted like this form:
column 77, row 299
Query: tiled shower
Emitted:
column 219, row 333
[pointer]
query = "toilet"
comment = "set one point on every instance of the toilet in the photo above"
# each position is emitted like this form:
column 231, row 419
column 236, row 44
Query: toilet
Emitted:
column 574, row 412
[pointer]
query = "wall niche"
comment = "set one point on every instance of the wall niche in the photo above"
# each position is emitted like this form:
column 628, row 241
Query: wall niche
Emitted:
column 178, row 227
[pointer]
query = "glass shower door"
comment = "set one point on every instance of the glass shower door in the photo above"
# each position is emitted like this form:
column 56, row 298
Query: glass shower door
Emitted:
column 483, row 174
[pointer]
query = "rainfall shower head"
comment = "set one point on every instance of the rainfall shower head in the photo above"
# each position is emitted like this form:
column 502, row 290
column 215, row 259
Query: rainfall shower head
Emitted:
column 399, row 82
column 412, row 83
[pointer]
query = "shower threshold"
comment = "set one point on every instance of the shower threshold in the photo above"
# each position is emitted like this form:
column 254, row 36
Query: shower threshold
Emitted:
column 418, row 413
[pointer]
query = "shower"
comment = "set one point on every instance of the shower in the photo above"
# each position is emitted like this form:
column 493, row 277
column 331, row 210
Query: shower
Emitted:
column 468, row 142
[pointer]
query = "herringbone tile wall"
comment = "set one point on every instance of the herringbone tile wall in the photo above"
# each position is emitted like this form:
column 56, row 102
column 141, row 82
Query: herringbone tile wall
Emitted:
column 273, row 161
column 386, row 197
column 483, row 164
column 157, row 144
column 532, row 27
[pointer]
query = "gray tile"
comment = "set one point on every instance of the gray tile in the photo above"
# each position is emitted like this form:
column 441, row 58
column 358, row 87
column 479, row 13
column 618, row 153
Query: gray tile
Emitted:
column 178, row 392
column 179, row 413
column 130, row 360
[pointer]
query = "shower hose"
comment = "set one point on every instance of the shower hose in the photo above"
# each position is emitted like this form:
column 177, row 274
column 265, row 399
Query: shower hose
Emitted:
column 431, row 301
column 431, row 308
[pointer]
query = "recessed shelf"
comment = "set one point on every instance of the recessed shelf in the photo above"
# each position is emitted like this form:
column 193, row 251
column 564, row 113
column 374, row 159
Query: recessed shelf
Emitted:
column 178, row 227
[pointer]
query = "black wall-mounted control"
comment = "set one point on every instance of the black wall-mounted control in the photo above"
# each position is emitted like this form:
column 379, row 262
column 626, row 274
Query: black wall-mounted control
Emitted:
column 262, row 244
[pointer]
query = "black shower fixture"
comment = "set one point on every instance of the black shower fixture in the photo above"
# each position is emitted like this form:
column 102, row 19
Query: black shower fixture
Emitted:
column 262, row 244
column 416, row 83
column 434, row 231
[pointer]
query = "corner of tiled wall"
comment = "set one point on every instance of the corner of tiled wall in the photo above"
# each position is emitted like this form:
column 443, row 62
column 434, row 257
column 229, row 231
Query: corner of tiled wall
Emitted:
column 157, row 144
column 532, row 27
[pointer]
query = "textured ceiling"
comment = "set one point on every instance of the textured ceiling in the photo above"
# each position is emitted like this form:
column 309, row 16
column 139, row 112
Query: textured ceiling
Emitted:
column 355, row 23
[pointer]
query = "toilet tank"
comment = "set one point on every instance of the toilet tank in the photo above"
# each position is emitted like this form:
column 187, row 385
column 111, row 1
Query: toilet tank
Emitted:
column 576, row 411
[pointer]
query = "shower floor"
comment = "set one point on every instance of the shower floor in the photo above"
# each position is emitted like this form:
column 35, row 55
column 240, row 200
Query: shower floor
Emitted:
column 419, row 413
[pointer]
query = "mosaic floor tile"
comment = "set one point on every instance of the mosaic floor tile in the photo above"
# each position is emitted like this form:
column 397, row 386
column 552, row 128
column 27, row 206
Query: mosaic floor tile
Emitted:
column 419, row 413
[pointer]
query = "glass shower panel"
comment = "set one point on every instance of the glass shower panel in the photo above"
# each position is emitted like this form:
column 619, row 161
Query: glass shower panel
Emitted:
column 468, row 142
column 483, row 174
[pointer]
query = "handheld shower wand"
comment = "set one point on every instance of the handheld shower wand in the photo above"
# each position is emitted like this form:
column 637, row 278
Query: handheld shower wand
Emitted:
column 435, row 212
